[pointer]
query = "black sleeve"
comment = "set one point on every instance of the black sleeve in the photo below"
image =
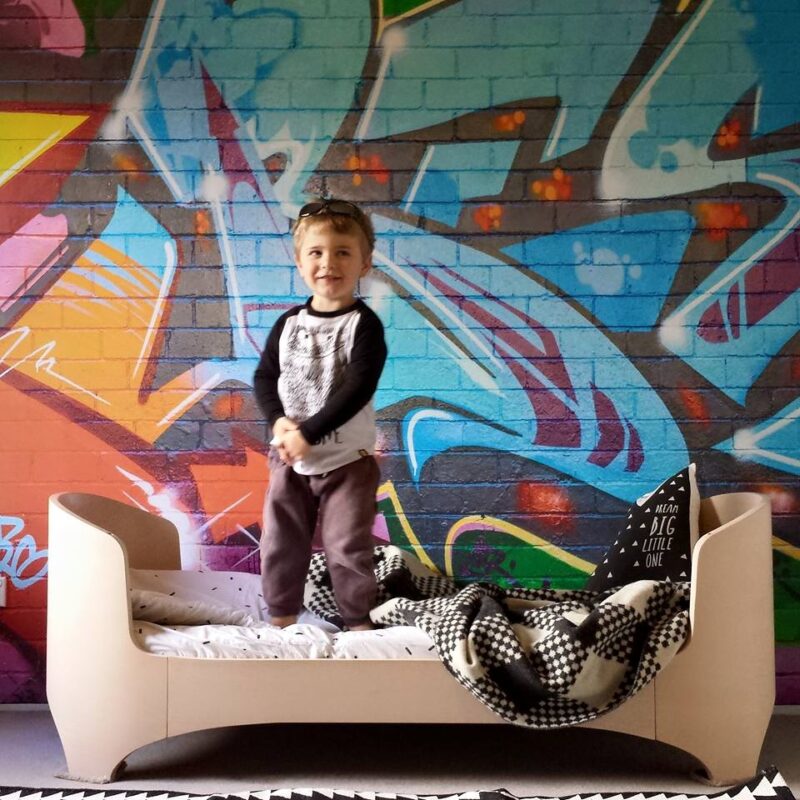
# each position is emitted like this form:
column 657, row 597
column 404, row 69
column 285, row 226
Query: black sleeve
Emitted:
column 265, row 380
column 360, row 380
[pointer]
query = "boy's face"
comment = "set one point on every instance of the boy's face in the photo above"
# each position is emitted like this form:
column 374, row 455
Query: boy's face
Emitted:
column 331, row 264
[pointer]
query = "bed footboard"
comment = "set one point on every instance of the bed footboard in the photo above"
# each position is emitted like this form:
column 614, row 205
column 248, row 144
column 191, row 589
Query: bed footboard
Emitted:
column 716, row 698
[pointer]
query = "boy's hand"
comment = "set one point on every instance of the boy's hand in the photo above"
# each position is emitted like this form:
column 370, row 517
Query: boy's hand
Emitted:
column 293, row 446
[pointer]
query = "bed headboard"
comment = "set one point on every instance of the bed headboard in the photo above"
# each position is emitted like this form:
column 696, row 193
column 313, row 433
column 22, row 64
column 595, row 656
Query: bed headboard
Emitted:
column 150, row 541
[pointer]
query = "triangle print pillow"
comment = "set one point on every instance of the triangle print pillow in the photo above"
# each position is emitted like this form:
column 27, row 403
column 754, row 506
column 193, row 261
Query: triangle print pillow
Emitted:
column 657, row 541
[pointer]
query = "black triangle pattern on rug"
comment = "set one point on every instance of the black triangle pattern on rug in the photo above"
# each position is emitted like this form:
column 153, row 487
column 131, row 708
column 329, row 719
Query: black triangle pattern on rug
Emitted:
column 766, row 784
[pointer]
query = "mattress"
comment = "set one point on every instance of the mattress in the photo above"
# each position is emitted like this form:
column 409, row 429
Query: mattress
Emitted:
column 222, row 615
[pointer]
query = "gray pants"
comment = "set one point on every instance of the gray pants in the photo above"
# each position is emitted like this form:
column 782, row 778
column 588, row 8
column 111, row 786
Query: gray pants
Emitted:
column 344, row 500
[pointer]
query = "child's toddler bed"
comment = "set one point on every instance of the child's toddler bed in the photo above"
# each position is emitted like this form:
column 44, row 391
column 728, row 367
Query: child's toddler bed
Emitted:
column 116, row 683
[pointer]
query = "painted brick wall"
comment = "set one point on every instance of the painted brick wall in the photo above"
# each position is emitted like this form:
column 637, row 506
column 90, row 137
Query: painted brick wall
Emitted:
column 587, row 266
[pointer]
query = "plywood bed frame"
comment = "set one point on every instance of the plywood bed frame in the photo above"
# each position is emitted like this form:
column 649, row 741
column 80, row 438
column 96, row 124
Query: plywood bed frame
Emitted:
column 109, row 697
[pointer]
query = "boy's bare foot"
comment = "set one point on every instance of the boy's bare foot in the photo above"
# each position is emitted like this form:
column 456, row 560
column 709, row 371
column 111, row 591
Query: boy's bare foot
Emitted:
column 364, row 626
column 282, row 622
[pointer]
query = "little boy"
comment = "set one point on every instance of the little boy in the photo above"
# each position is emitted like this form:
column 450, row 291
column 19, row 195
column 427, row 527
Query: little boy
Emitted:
column 315, row 384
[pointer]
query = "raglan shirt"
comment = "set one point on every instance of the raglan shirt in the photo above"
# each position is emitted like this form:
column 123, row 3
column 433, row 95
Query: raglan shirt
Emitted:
column 321, row 369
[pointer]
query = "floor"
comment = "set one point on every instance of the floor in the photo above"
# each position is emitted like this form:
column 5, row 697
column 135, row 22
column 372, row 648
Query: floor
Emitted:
column 396, row 758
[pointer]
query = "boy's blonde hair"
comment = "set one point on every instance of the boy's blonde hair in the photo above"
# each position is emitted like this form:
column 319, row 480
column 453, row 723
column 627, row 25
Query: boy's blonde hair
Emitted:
column 349, row 219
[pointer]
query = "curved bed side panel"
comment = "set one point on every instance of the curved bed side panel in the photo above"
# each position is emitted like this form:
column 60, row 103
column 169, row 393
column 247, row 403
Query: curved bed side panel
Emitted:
column 246, row 692
column 715, row 700
column 106, row 695
column 250, row 691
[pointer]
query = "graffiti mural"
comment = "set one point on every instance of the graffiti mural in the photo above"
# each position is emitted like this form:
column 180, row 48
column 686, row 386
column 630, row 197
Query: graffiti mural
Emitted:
column 587, row 266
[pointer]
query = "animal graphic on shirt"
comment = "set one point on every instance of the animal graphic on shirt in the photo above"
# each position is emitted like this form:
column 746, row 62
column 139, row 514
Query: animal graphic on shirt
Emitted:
column 312, row 368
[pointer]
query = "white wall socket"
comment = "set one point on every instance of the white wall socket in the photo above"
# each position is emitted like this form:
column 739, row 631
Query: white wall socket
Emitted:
column 3, row 582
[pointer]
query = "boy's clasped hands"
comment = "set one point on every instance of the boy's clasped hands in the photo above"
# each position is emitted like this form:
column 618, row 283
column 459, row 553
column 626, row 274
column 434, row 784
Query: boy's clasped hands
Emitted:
column 289, row 442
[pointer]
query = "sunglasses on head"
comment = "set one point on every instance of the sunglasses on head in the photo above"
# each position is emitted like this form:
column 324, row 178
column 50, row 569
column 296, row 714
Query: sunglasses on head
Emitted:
column 340, row 207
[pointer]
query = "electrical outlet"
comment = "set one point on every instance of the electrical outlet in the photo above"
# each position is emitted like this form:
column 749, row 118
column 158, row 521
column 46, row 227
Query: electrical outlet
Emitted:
column 2, row 591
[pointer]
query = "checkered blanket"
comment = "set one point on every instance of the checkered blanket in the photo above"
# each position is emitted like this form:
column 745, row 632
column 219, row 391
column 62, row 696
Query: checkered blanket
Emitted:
column 542, row 658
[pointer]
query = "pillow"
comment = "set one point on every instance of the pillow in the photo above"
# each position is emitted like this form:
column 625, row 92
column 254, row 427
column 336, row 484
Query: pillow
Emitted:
column 660, row 533
column 173, row 609
column 238, row 590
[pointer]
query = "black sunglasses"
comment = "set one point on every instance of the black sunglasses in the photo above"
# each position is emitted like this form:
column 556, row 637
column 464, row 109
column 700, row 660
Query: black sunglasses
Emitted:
column 341, row 207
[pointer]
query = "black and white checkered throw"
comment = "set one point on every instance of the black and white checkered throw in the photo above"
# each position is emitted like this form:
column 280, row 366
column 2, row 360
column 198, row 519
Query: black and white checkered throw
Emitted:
column 542, row 658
